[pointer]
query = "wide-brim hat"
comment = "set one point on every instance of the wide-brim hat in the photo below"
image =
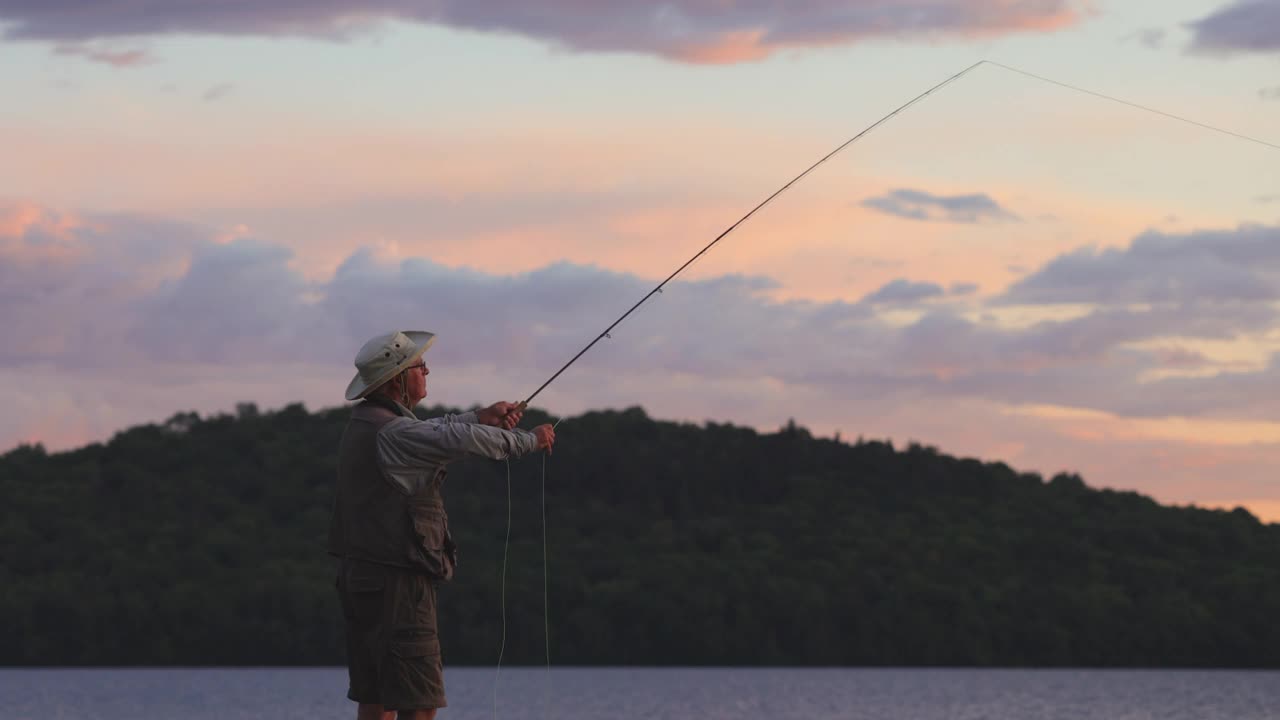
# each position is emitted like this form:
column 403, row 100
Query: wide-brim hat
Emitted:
column 386, row 356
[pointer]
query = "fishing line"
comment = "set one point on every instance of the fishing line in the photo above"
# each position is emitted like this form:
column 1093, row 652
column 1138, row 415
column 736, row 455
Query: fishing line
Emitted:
column 1113, row 99
column 506, row 548
column 546, row 574
column 658, row 289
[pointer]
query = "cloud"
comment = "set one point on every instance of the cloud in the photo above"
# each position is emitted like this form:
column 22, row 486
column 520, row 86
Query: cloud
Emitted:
column 217, row 92
column 1152, row 38
column 1180, row 357
column 1244, row 392
column 68, row 281
column 1240, row 265
column 104, row 296
column 901, row 291
column 115, row 58
column 1242, row 26
column 1271, row 93
column 692, row 31
column 1090, row 362
column 234, row 302
column 921, row 205
column 113, row 320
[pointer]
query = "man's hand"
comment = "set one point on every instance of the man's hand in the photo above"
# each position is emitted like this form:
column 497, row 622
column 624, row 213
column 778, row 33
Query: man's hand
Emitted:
column 505, row 415
column 546, row 437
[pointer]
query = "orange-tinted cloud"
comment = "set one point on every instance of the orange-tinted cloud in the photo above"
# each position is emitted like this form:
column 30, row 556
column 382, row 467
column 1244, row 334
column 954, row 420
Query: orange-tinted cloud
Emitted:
column 731, row 47
column 1211, row 435
column 20, row 218
column 107, row 56
column 881, row 19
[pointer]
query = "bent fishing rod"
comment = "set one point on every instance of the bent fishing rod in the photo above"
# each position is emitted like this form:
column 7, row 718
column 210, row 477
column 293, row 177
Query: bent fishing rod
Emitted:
column 658, row 288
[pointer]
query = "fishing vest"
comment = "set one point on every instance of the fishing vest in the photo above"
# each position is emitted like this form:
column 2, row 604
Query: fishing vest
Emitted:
column 376, row 521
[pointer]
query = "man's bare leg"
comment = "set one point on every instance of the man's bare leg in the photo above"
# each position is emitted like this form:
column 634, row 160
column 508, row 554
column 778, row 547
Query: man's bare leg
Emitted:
column 374, row 712
column 417, row 714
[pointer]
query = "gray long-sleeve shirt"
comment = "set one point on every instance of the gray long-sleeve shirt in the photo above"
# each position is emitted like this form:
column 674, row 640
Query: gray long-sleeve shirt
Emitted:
column 411, row 451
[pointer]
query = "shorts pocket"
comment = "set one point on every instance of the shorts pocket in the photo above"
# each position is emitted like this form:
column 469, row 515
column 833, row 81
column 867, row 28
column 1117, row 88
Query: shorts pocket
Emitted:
column 414, row 674
column 417, row 647
column 361, row 594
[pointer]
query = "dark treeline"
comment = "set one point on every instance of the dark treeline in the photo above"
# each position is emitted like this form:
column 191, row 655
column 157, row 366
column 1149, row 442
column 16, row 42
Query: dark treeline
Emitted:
column 200, row 541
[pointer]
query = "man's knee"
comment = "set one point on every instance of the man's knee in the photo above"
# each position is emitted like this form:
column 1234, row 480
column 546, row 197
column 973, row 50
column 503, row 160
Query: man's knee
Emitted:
column 417, row 714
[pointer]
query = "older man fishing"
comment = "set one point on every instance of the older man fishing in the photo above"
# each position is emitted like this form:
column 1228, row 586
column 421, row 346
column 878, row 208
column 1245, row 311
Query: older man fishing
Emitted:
column 390, row 531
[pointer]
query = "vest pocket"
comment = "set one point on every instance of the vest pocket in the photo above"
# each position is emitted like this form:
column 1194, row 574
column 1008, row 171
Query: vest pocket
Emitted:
column 429, row 530
column 428, row 525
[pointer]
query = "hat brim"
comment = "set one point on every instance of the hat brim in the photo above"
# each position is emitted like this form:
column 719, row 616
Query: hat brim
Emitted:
column 358, row 388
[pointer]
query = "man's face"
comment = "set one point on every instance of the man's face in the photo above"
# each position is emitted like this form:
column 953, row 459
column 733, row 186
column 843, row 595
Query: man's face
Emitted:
column 416, row 382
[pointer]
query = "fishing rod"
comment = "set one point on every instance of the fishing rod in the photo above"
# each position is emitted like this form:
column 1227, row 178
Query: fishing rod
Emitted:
column 658, row 288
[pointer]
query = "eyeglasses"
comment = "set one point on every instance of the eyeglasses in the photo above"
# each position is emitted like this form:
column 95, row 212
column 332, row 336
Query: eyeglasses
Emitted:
column 422, row 365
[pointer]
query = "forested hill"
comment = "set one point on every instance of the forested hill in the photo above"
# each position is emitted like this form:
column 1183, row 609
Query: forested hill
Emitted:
column 200, row 541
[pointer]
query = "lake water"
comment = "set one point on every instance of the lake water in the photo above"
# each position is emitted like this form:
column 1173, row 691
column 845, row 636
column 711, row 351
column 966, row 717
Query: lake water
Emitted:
column 655, row 694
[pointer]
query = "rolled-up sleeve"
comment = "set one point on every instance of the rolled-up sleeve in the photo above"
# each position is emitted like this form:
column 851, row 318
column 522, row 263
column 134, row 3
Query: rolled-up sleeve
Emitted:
column 467, row 418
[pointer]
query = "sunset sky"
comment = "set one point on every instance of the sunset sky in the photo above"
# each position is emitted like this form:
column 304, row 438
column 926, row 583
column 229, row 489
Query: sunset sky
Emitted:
column 210, row 202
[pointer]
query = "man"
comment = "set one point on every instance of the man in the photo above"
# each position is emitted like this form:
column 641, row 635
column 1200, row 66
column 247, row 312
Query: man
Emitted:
column 390, row 531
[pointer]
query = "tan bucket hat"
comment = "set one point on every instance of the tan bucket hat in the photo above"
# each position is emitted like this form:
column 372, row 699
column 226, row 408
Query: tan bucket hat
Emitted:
column 386, row 356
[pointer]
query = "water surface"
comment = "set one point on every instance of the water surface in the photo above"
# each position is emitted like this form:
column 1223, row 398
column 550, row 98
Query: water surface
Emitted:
column 655, row 694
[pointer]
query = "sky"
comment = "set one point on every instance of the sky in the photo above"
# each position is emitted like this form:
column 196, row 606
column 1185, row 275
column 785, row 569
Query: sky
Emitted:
column 205, row 203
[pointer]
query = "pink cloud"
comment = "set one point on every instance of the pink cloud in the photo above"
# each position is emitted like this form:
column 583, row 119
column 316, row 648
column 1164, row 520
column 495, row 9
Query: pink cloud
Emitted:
column 115, row 58
column 22, row 219
column 1180, row 357
column 730, row 47
column 66, row 280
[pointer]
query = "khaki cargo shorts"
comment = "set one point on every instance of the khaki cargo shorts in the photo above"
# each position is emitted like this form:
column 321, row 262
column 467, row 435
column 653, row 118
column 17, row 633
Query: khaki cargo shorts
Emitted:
column 393, row 647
